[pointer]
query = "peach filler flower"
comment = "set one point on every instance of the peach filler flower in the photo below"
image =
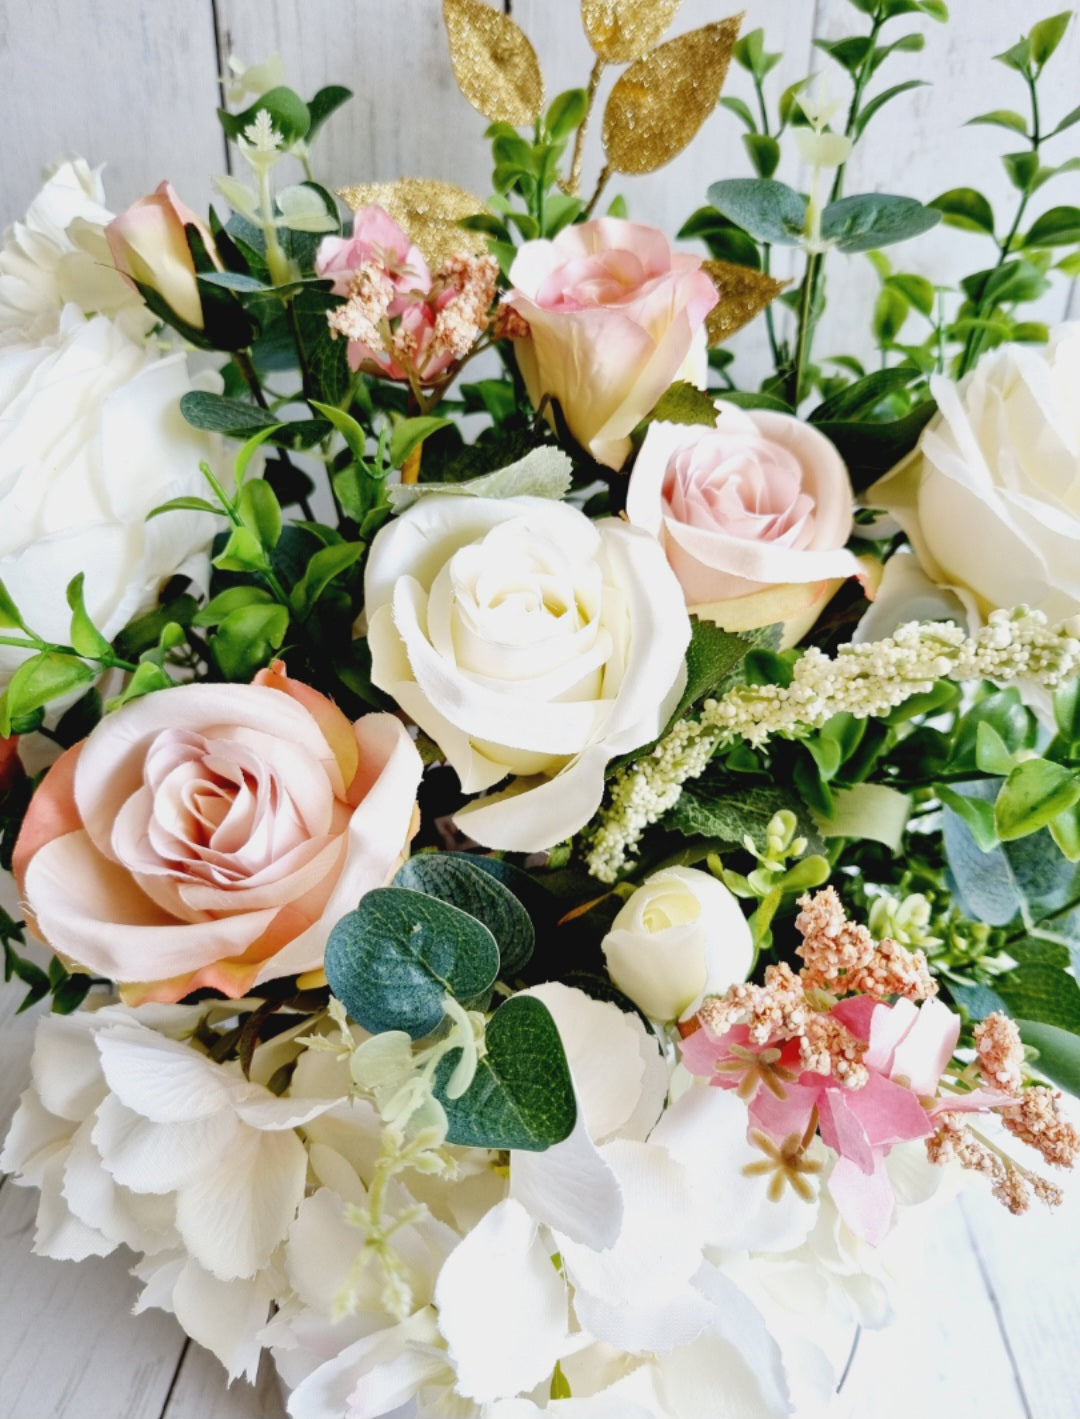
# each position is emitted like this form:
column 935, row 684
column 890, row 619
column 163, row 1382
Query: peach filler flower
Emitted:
column 400, row 321
column 753, row 515
column 614, row 315
column 212, row 835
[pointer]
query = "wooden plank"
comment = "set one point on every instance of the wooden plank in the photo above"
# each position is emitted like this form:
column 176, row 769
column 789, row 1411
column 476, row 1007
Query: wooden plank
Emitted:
column 944, row 1355
column 134, row 86
column 919, row 146
column 200, row 1391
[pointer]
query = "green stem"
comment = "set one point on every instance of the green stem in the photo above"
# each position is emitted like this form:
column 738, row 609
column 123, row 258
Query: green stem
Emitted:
column 766, row 249
column 862, row 78
column 246, row 365
column 276, row 259
column 41, row 647
column 806, row 324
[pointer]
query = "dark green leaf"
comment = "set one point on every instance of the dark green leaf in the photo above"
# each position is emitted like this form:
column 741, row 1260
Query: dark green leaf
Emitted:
column 1044, row 994
column 1059, row 1052
column 764, row 153
column 871, row 449
column 324, row 566
column 1023, row 168
column 463, row 882
column 217, row 414
column 247, row 638
column 566, row 112
column 393, row 961
column 859, row 400
column 410, row 433
column 522, row 1095
column 1060, row 226
column 741, row 110
column 325, row 102
column 290, row 115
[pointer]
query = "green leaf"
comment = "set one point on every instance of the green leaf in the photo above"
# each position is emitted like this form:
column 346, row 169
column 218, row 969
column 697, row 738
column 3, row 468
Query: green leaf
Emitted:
column 260, row 511
column 217, row 414
column 741, row 110
column 726, row 241
column 880, row 100
column 992, row 754
column 1002, row 285
column 544, row 472
column 871, row 449
column 1065, row 830
column 10, row 619
column 325, row 102
column 764, row 153
column 875, row 219
column 684, row 403
column 1017, row 56
column 712, row 655
column 460, row 881
column 1067, row 122
column 410, row 433
column 243, row 552
column 860, row 399
column 1044, row 994
column 325, row 565
column 1002, row 118
column 1059, row 1052
column 1023, row 169
column 247, row 639
column 890, row 311
column 183, row 505
column 85, row 636
column 147, row 678
column 40, row 680
column 290, row 115
column 848, row 53
column 1047, row 35
column 965, row 208
column 522, row 1095
column 566, row 112
column 917, row 290
column 769, row 210
column 393, row 961
column 1060, row 226
column 978, row 815
column 729, row 814
column 1034, row 793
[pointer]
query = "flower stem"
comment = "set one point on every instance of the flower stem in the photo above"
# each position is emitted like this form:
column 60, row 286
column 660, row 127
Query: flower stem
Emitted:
column 573, row 182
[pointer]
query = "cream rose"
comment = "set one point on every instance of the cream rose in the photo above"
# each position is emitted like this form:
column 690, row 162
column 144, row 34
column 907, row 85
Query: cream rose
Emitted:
column 91, row 439
column 990, row 498
column 526, row 640
column 682, row 935
column 57, row 255
column 615, row 316
column 149, row 247
column 211, row 835
column 753, row 516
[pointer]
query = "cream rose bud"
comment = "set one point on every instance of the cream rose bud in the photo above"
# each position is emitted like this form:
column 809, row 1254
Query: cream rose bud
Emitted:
column 990, row 498
column 529, row 642
column 753, row 516
column 149, row 245
column 682, row 935
column 615, row 316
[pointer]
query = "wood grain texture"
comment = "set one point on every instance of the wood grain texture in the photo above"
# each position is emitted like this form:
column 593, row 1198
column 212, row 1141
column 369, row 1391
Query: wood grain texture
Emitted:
column 127, row 84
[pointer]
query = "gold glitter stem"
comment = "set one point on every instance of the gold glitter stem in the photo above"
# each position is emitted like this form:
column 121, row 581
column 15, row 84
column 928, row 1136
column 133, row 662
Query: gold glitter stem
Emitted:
column 601, row 183
column 572, row 185
column 410, row 469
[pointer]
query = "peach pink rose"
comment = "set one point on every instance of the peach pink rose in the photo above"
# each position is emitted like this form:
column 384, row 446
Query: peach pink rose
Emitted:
column 753, row 515
column 149, row 245
column 211, row 835
column 615, row 316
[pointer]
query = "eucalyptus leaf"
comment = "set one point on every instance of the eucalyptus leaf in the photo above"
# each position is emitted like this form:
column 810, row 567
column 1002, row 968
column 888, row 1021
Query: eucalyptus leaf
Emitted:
column 461, row 881
column 544, row 472
column 875, row 219
column 769, row 210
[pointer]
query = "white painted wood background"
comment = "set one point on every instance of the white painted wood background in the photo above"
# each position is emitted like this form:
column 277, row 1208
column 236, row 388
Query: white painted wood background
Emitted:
column 991, row 1330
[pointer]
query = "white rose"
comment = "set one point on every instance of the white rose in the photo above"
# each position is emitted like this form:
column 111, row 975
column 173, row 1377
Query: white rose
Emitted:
column 91, row 439
column 526, row 640
column 990, row 498
column 681, row 935
column 57, row 255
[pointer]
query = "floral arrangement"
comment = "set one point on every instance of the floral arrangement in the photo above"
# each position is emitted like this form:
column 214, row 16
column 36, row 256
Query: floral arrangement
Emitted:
column 544, row 875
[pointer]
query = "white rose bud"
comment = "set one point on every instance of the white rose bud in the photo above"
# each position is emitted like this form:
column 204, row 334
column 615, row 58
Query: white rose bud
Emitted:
column 682, row 935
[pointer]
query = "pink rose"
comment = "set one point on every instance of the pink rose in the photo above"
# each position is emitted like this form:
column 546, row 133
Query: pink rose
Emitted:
column 149, row 245
column 400, row 321
column 753, row 516
column 211, row 835
column 615, row 316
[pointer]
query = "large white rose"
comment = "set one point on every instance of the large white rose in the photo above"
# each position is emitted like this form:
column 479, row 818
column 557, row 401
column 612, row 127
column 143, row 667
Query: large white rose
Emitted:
column 91, row 439
column 57, row 255
column 526, row 640
column 990, row 498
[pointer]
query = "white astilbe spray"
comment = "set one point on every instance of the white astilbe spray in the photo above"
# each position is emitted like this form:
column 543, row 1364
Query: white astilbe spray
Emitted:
column 865, row 680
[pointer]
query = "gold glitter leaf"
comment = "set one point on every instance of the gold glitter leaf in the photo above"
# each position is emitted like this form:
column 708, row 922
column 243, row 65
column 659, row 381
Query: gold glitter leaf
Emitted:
column 428, row 210
column 660, row 102
column 743, row 292
column 495, row 65
column 622, row 30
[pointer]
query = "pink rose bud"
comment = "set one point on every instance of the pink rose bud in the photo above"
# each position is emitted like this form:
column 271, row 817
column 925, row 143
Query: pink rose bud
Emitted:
column 149, row 246
column 615, row 316
column 753, row 515
column 211, row 835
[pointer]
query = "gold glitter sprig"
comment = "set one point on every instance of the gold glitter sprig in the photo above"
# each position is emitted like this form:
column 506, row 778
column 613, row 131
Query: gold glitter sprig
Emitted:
column 428, row 210
column 743, row 293
column 621, row 31
column 495, row 65
column 660, row 102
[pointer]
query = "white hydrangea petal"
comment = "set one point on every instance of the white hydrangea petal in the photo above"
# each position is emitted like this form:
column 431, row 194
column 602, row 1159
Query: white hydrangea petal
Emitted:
column 224, row 1316
column 259, row 1108
column 322, row 1252
column 711, row 1377
column 159, row 1157
column 232, row 1219
column 570, row 1188
column 739, row 1322
column 646, row 1325
column 333, row 1385
column 57, row 1232
column 35, row 1136
column 65, row 1067
column 502, row 1306
column 161, row 1079
column 126, row 1218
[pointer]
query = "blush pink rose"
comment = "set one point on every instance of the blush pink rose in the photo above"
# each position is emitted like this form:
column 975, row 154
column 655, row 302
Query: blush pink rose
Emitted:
column 753, row 515
column 148, row 244
column 615, row 316
column 211, row 835
column 400, row 321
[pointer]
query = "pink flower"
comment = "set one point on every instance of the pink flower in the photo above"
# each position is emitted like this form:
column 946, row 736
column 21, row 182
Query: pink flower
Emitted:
column 399, row 321
column 753, row 515
column 615, row 316
column 211, row 835
column 149, row 245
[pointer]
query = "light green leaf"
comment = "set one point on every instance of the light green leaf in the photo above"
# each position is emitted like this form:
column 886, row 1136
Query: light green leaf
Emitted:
column 40, row 680
column 325, row 565
column 410, row 433
column 260, row 511
column 1002, row 118
column 769, row 210
column 85, row 636
column 1060, row 226
column 966, row 208
column 544, row 472
column 1035, row 792
column 870, row 811
column 1047, row 35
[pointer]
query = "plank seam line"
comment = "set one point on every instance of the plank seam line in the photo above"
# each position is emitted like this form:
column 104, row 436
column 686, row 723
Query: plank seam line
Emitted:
column 991, row 1292
column 176, row 1375
column 221, row 53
